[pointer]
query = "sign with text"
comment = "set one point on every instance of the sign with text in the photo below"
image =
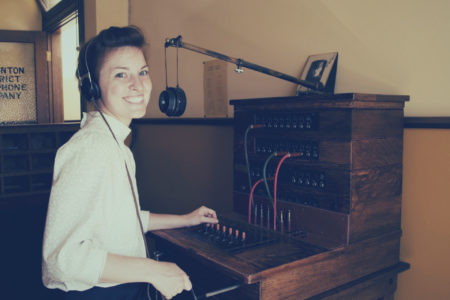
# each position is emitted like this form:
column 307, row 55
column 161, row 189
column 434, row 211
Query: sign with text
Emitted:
column 17, row 83
column 215, row 88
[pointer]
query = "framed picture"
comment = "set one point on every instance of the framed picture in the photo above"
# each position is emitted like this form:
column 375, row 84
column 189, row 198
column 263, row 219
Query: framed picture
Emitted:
column 320, row 69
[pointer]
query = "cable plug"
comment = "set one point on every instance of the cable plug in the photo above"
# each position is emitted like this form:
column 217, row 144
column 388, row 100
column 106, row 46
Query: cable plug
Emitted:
column 254, row 126
column 295, row 154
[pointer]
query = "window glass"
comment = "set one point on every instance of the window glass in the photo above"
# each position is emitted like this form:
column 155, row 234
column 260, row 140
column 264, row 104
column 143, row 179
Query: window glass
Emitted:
column 69, row 54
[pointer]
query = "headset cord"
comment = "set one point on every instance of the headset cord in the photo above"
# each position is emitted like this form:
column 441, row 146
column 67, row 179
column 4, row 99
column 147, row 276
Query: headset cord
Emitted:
column 177, row 67
column 132, row 191
column 165, row 65
column 135, row 201
column 193, row 294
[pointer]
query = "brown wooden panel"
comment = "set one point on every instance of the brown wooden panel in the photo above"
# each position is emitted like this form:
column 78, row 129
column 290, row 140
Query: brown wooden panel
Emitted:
column 355, row 154
column 243, row 265
column 317, row 274
column 28, row 183
column 378, row 285
column 376, row 123
column 371, row 184
column 370, row 153
column 349, row 100
column 372, row 218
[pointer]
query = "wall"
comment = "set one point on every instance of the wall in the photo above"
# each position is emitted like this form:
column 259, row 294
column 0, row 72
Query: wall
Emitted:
column 425, row 222
column 101, row 14
column 20, row 16
column 384, row 46
column 397, row 47
column 177, row 175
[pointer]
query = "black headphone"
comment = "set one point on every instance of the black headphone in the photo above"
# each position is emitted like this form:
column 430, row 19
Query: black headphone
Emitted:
column 172, row 101
column 89, row 89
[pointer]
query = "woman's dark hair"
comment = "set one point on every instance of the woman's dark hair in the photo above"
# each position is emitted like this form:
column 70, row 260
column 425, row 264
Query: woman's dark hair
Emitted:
column 94, row 51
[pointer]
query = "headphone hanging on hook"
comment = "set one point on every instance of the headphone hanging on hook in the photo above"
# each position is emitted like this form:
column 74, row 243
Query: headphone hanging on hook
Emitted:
column 172, row 101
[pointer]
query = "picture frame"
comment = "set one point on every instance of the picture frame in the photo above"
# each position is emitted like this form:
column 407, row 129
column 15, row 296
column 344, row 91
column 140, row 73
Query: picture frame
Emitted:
column 319, row 69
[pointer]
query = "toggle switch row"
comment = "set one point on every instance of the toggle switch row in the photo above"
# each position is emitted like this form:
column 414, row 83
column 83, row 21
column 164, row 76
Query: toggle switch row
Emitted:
column 223, row 234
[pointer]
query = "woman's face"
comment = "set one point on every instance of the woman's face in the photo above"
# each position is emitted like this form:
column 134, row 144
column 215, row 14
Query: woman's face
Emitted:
column 125, row 84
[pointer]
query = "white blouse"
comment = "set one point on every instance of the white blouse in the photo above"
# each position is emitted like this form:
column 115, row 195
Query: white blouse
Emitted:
column 91, row 210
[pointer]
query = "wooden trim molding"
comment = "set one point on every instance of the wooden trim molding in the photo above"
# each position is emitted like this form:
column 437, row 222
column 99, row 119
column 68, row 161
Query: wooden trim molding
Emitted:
column 409, row 122
column 427, row 122
column 185, row 121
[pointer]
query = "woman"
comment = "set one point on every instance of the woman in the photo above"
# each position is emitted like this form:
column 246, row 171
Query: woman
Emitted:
column 93, row 242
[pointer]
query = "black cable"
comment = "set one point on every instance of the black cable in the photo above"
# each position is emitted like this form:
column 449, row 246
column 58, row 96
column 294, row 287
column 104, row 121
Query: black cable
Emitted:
column 177, row 68
column 193, row 294
column 165, row 65
column 132, row 191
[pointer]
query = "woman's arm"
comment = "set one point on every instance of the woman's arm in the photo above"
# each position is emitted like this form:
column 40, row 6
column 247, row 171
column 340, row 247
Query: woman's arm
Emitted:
column 166, row 221
column 166, row 277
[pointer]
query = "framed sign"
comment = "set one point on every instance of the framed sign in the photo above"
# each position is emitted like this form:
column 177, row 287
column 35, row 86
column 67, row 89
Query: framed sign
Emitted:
column 23, row 78
column 320, row 69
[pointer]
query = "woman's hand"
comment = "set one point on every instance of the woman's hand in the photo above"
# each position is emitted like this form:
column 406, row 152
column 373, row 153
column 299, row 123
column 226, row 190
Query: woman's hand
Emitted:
column 169, row 279
column 167, row 221
column 201, row 215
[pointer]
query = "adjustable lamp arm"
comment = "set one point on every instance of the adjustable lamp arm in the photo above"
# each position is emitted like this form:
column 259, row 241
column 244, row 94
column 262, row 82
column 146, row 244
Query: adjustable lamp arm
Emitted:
column 178, row 43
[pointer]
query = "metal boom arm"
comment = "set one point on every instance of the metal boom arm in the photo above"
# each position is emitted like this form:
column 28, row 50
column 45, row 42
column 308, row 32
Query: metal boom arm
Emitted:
column 178, row 43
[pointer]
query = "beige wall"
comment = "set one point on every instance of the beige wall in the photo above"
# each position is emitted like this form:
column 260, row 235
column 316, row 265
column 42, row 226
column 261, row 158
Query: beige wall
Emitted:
column 384, row 46
column 20, row 15
column 425, row 215
column 101, row 14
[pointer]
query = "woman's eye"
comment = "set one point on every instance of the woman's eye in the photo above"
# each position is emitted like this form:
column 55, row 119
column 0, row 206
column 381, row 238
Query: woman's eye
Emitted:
column 121, row 75
column 143, row 73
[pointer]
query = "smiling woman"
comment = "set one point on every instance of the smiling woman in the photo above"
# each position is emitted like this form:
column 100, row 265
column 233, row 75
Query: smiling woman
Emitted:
column 94, row 242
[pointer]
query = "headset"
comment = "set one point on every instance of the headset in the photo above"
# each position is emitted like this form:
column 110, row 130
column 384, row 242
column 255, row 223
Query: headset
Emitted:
column 172, row 101
column 89, row 89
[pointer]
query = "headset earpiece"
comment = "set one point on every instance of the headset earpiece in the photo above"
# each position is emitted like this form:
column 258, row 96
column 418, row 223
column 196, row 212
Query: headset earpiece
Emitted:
column 180, row 102
column 172, row 101
column 89, row 89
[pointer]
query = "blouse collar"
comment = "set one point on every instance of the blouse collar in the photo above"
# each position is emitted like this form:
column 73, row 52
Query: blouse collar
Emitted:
column 120, row 130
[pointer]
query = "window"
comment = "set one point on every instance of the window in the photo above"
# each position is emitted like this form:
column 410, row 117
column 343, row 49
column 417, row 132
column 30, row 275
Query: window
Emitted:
column 63, row 20
column 69, row 53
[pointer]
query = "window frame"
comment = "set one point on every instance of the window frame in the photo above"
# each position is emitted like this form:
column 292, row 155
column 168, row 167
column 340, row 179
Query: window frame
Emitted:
column 52, row 21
